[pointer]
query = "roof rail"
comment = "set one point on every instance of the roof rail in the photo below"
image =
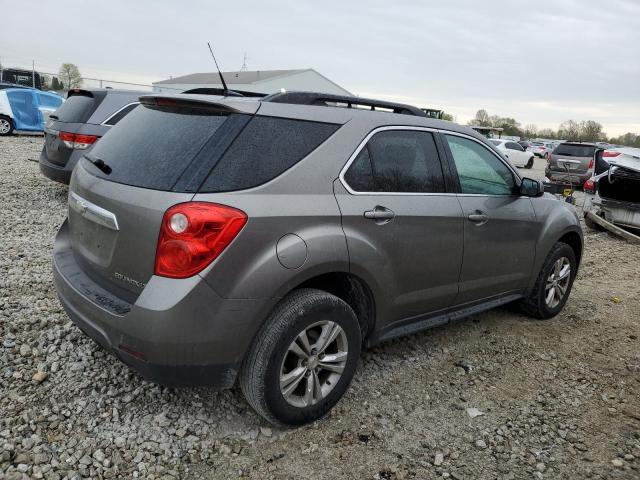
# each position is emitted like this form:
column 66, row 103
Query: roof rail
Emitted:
column 330, row 100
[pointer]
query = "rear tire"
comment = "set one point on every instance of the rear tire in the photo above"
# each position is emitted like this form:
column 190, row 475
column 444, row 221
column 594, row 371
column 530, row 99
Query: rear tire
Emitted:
column 541, row 303
column 6, row 126
column 529, row 163
column 283, row 377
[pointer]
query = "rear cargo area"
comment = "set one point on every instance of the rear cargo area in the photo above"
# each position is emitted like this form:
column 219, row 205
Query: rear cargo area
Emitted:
column 623, row 187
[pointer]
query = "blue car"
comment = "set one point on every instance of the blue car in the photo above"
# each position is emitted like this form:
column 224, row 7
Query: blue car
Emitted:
column 26, row 109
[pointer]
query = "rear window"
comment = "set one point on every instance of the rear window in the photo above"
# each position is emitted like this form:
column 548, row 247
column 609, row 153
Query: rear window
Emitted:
column 77, row 109
column 495, row 142
column 266, row 148
column 572, row 150
column 152, row 147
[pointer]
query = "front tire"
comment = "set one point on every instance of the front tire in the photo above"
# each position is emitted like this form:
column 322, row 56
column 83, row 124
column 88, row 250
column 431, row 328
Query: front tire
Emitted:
column 6, row 126
column 529, row 163
column 303, row 359
column 553, row 285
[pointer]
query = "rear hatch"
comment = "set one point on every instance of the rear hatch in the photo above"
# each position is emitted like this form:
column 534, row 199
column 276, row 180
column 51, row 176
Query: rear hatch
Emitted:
column 154, row 158
column 70, row 119
column 573, row 158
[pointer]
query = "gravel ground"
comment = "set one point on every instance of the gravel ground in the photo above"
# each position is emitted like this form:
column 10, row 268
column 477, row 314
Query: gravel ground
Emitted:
column 553, row 399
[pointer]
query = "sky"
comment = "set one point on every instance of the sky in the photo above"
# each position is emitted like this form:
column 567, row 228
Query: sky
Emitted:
column 540, row 62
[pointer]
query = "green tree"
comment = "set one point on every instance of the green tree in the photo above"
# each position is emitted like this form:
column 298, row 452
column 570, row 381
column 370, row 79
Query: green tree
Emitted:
column 530, row 130
column 448, row 117
column 629, row 139
column 70, row 76
column 55, row 84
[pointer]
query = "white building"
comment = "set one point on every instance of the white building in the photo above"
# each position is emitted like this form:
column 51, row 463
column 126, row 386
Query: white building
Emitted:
column 259, row 81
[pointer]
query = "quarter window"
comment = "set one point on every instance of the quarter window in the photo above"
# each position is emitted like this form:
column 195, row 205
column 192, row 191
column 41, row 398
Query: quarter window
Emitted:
column 400, row 161
column 479, row 170
column 116, row 117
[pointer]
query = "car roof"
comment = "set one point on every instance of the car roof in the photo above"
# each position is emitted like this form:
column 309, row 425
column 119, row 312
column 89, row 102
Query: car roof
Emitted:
column 324, row 113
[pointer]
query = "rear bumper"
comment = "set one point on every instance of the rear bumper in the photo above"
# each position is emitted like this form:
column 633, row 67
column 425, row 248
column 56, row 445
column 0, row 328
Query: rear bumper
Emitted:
column 178, row 332
column 55, row 172
column 564, row 177
column 623, row 214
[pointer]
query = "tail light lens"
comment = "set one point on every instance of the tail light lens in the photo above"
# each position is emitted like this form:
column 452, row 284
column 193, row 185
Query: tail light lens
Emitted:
column 77, row 140
column 193, row 235
column 589, row 186
column 610, row 153
column 591, row 162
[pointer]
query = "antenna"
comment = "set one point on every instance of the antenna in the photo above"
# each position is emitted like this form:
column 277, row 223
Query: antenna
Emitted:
column 224, row 84
column 244, row 67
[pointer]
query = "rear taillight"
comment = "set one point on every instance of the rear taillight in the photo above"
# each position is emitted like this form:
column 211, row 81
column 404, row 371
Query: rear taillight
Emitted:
column 610, row 153
column 591, row 164
column 193, row 235
column 77, row 140
column 589, row 186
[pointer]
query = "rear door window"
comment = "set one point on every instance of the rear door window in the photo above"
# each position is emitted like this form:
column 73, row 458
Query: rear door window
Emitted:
column 77, row 109
column 400, row 161
column 573, row 150
column 267, row 147
column 151, row 147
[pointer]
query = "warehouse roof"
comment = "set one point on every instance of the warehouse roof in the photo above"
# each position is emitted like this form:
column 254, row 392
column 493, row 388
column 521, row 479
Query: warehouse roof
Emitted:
column 231, row 77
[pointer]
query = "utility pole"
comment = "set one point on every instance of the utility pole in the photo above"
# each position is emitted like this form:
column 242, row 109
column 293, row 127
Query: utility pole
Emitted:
column 0, row 69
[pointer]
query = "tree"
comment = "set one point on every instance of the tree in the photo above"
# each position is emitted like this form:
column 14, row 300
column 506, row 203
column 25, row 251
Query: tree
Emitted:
column 591, row 131
column 481, row 119
column 629, row 139
column 530, row 130
column 55, row 84
column 70, row 76
column 448, row 117
column 547, row 133
column 569, row 130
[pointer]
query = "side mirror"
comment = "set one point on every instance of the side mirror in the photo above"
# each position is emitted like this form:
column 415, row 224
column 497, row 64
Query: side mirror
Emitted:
column 531, row 188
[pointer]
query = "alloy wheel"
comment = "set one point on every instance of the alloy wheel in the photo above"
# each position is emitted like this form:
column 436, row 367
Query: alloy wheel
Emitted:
column 313, row 363
column 558, row 282
column 5, row 126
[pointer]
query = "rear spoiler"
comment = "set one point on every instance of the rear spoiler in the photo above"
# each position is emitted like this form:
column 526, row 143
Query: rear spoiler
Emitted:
column 203, row 102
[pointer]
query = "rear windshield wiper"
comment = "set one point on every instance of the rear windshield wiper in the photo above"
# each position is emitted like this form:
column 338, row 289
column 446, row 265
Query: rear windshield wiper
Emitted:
column 99, row 164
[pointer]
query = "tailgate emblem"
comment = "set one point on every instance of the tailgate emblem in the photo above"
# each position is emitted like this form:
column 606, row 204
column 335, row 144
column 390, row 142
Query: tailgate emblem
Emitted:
column 93, row 212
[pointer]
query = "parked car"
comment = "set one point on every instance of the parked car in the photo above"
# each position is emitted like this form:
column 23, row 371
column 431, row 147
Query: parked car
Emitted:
column 571, row 162
column 524, row 144
column 541, row 149
column 78, row 124
column 25, row 109
column 514, row 152
column 614, row 191
column 212, row 239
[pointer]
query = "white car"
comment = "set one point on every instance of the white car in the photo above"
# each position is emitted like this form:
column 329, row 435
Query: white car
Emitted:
column 541, row 149
column 514, row 152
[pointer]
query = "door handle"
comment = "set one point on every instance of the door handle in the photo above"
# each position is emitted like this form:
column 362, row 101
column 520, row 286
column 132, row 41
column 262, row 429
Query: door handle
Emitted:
column 381, row 215
column 478, row 218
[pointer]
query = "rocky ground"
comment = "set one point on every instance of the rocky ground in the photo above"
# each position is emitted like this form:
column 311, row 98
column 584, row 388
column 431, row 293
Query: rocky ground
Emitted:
column 496, row 396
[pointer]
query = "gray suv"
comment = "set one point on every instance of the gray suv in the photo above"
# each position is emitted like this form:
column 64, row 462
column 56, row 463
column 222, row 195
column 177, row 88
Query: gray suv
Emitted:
column 213, row 239
column 78, row 124
column 571, row 162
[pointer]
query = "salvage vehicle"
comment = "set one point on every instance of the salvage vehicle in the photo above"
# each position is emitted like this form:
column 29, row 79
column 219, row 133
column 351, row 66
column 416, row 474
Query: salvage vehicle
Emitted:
column 25, row 109
column 214, row 239
column 613, row 193
column 78, row 124
column 571, row 162
column 514, row 152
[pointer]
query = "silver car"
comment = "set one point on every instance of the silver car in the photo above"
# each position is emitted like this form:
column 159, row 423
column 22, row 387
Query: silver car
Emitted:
column 211, row 240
